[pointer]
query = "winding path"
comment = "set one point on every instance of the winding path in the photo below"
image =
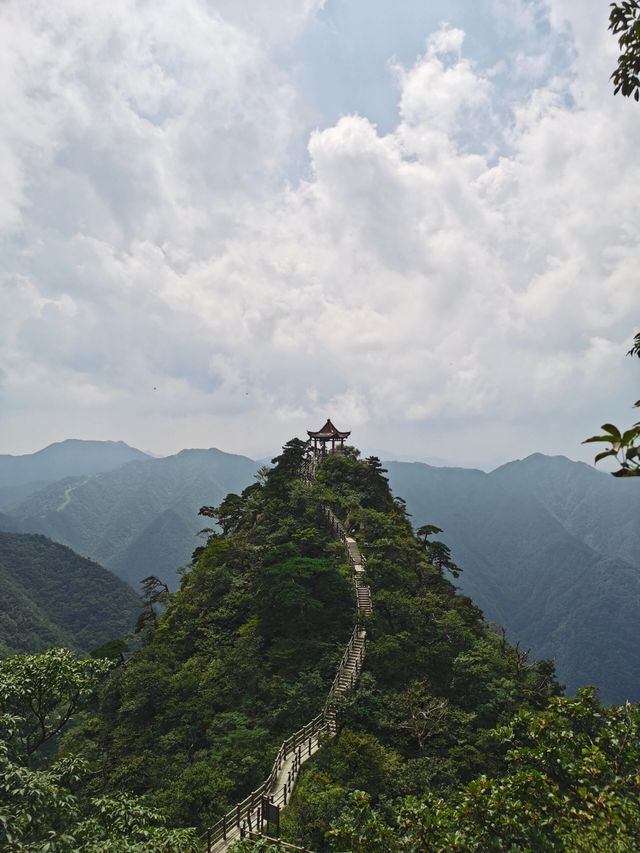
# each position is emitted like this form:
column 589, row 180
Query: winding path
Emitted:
column 245, row 818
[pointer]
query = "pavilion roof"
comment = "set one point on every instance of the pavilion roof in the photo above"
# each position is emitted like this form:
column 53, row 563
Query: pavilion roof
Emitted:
column 328, row 431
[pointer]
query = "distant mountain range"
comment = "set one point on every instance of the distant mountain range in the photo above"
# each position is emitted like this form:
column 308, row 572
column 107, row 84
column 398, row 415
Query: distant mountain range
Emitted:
column 140, row 519
column 52, row 596
column 21, row 476
column 550, row 549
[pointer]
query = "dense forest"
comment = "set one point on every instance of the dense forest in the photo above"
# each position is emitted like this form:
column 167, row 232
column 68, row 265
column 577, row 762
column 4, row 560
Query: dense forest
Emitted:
column 52, row 596
column 452, row 740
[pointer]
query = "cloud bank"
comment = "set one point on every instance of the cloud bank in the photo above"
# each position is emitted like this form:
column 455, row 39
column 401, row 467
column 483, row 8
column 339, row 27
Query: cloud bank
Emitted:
column 462, row 284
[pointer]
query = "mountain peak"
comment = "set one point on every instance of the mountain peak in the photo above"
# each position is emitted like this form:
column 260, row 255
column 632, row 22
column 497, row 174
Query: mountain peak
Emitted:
column 72, row 457
column 544, row 461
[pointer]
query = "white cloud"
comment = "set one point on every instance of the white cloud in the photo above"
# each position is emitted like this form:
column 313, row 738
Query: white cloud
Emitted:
column 459, row 269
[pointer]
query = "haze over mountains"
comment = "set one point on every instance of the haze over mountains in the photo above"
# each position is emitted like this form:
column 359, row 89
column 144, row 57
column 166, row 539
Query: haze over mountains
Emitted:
column 20, row 476
column 550, row 548
column 140, row 519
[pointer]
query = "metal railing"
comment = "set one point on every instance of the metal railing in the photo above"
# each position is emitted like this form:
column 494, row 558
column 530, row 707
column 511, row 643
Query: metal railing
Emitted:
column 295, row 750
column 246, row 816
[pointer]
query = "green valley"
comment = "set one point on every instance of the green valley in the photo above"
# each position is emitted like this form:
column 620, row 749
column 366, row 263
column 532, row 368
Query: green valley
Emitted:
column 53, row 597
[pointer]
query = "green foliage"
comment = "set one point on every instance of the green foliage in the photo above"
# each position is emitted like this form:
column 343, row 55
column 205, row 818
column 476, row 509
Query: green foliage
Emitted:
column 43, row 692
column 36, row 807
column 624, row 21
column 124, row 824
column 52, row 596
column 46, row 809
column 571, row 783
column 623, row 446
column 42, row 811
column 258, row 845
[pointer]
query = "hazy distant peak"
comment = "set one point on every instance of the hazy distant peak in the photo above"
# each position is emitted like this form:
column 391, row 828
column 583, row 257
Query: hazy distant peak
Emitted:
column 72, row 457
column 80, row 444
column 445, row 470
column 542, row 462
column 204, row 451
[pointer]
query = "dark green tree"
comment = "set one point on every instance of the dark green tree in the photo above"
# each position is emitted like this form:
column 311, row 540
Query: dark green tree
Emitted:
column 426, row 531
column 228, row 514
column 624, row 21
column 41, row 693
column 440, row 556
column 438, row 553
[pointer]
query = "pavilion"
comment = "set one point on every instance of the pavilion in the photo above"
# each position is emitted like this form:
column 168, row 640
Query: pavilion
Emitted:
column 328, row 434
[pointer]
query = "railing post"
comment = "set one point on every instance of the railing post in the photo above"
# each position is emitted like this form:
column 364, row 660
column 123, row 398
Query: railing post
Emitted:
column 208, row 840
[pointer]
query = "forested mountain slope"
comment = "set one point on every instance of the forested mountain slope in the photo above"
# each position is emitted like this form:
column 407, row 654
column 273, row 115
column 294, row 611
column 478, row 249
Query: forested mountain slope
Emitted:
column 20, row 476
column 550, row 551
column 140, row 519
column 599, row 509
column 52, row 596
column 245, row 651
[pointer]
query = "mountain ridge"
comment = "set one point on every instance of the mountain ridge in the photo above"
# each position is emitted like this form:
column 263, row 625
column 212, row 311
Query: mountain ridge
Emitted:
column 23, row 474
column 543, row 541
column 553, row 578
column 113, row 517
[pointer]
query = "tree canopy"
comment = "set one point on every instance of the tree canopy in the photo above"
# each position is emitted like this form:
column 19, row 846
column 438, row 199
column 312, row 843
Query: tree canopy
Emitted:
column 624, row 21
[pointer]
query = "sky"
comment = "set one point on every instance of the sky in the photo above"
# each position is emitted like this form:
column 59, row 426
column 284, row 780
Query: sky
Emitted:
column 223, row 222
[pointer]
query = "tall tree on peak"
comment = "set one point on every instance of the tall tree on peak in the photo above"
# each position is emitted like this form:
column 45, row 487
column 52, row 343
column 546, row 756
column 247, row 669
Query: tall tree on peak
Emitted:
column 427, row 530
